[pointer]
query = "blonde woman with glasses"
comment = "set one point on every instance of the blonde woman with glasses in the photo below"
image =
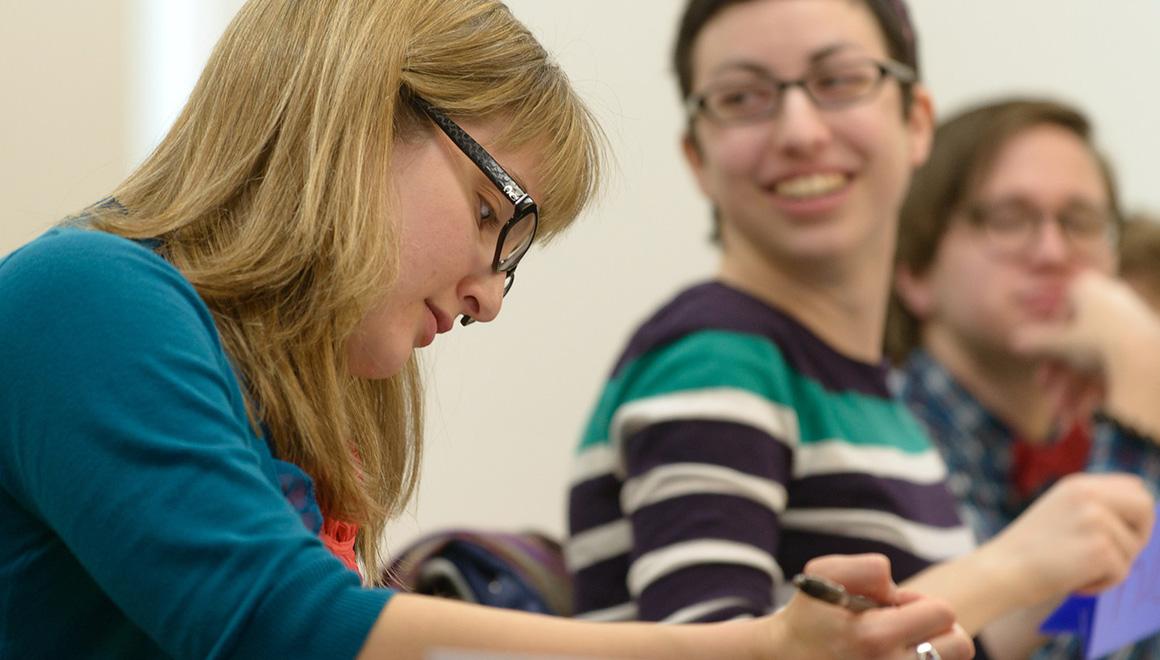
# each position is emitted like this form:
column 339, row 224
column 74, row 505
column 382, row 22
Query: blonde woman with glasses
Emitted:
column 210, row 406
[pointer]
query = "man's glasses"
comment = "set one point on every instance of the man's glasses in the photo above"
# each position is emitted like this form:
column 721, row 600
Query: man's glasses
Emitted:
column 519, row 232
column 1012, row 226
column 752, row 94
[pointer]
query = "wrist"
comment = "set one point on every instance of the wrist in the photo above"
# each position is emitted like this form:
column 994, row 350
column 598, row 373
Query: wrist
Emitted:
column 772, row 638
column 1133, row 375
column 1010, row 582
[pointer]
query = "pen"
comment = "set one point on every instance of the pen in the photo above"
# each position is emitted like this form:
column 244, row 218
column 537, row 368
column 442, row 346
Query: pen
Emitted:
column 832, row 592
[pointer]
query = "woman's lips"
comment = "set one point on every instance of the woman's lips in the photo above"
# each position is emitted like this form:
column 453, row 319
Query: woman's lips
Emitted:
column 430, row 329
column 443, row 321
column 810, row 195
column 438, row 322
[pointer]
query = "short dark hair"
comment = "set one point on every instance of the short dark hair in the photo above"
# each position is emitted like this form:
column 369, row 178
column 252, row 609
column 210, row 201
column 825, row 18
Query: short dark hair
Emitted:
column 964, row 150
column 1140, row 248
column 891, row 15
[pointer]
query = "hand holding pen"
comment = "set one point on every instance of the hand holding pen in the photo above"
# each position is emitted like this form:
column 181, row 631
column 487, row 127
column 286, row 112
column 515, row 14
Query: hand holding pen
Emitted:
column 890, row 623
column 833, row 593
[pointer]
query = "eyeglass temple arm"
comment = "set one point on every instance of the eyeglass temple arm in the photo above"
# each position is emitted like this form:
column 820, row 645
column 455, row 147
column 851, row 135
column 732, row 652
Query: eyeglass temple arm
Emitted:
column 478, row 155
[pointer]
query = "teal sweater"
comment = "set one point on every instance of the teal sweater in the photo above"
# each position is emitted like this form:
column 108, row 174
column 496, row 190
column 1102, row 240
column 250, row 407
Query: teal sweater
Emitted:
column 142, row 517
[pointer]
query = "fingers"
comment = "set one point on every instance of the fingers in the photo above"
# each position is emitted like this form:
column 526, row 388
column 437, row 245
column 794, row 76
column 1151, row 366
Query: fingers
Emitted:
column 867, row 574
column 1122, row 494
column 881, row 633
column 1115, row 515
column 1126, row 537
column 1083, row 534
column 953, row 645
column 907, row 625
column 904, row 596
column 1115, row 555
column 1063, row 341
column 1126, row 495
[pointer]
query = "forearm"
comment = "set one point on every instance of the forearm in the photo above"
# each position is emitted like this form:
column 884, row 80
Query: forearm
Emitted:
column 980, row 587
column 1016, row 634
column 1134, row 382
column 985, row 603
column 410, row 626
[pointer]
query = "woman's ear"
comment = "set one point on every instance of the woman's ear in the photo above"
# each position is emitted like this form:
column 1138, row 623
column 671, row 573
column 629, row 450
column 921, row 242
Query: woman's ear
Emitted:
column 920, row 124
column 695, row 159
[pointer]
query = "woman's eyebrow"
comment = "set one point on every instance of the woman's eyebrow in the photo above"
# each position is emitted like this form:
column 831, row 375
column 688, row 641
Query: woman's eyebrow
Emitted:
column 832, row 49
column 760, row 69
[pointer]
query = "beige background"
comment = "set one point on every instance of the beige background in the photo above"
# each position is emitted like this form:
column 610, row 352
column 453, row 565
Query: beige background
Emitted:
column 88, row 86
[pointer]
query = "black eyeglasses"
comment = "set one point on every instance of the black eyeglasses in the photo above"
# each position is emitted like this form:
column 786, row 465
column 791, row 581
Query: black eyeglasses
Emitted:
column 752, row 93
column 519, row 232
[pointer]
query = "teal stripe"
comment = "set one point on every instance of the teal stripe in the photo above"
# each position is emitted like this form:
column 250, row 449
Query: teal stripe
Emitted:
column 713, row 359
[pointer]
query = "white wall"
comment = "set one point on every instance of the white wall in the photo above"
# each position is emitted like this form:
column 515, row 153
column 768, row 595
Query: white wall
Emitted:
column 63, row 73
column 508, row 398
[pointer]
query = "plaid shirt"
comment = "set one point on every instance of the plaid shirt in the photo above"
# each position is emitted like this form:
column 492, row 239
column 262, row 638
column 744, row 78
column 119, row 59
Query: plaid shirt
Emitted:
column 977, row 448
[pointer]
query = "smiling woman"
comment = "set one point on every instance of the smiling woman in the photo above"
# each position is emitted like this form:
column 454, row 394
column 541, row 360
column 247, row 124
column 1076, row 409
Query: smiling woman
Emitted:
column 746, row 403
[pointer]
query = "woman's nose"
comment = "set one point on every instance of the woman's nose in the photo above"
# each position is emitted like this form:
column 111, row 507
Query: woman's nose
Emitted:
column 799, row 125
column 482, row 296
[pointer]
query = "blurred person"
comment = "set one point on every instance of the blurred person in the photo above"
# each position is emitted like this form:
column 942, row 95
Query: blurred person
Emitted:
column 1007, row 322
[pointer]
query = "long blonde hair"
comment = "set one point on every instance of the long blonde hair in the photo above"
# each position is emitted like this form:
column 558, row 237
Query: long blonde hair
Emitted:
column 270, row 194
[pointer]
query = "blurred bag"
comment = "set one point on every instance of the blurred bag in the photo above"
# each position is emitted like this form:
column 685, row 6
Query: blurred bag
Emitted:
column 517, row 571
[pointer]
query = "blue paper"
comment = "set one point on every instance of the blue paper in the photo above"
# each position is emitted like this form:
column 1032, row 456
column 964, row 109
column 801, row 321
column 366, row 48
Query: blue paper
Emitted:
column 1119, row 616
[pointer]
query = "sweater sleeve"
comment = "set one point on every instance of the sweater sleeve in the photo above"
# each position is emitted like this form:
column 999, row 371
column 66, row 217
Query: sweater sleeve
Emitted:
column 124, row 433
column 708, row 456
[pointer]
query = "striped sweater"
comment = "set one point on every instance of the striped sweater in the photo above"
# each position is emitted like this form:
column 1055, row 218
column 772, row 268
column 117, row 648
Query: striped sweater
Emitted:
column 730, row 446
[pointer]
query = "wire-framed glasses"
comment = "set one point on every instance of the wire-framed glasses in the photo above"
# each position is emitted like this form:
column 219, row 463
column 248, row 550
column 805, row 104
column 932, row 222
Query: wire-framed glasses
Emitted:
column 519, row 232
column 750, row 93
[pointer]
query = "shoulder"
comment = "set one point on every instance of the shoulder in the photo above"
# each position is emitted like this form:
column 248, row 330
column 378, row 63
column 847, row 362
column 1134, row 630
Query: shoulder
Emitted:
column 80, row 306
column 94, row 278
column 708, row 306
column 682, row 355
column 68, row 258
column 709, row 358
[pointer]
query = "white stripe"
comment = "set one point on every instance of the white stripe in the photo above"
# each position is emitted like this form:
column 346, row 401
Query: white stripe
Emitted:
column 719, row 404
column 593, row 461
column 698, row 611
column 838, row 456
column 659, row 563
column 931, row 543
column 678, row 479
column 597, row 544
column 622, row 612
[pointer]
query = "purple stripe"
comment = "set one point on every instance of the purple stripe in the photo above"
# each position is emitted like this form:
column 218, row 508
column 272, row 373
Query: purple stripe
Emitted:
column 698, row 584
column 715, row 306
column 593, row 503
column 728, row 444
column 929, row 504
column 695, row 517
column 725, row 614
column 601, row 585
column 797, row 548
